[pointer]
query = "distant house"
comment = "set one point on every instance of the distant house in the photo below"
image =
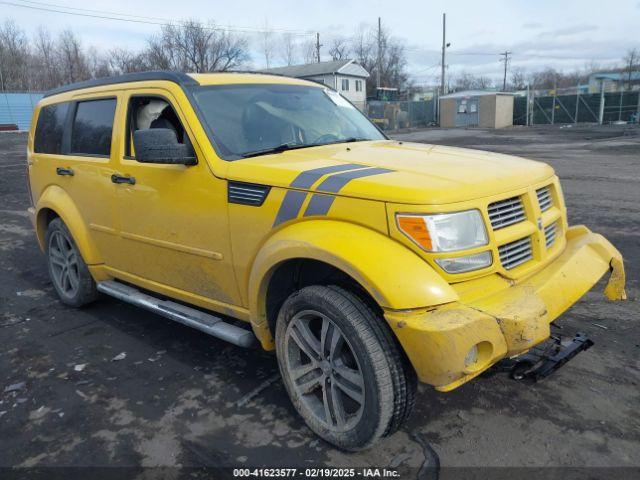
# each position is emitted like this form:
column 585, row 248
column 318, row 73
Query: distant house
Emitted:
column 613, row 81
column 347, row 76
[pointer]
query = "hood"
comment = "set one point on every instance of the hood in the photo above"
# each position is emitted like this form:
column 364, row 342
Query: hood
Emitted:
column 417, row 173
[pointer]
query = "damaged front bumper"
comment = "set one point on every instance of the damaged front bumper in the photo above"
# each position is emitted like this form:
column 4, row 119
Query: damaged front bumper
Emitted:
column 453, row 343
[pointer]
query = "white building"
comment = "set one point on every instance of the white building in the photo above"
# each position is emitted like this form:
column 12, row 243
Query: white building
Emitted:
column 346, row 76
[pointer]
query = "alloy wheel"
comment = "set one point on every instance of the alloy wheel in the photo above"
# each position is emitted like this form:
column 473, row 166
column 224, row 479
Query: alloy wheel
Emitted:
column 324, row 370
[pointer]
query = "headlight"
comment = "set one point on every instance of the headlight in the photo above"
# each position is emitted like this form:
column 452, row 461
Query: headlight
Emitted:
column 445, row 232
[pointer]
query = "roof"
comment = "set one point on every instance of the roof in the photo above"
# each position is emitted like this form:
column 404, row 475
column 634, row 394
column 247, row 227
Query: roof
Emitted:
column 624, row 76
column 474, row 93
column 182, row 79
column 176, row 77
column 345, row 67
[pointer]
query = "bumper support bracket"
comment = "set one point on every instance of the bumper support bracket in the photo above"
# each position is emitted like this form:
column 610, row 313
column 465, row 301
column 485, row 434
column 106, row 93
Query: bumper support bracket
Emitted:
column 543, row 360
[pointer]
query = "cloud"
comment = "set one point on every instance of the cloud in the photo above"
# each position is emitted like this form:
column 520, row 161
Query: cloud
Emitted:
column 566, row 31
column 532, row 25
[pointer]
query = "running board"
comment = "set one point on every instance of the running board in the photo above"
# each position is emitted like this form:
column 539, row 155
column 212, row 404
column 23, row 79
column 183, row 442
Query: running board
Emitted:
column 188, row 316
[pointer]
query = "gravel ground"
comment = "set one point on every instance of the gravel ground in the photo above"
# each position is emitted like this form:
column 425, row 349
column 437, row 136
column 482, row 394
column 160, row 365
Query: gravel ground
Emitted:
column 182, row 399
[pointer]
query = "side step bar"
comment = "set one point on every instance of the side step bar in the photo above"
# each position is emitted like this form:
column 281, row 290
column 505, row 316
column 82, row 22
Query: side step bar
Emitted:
column 191, row 317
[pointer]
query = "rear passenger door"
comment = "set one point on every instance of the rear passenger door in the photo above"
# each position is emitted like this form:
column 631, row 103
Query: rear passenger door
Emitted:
column 73, row 143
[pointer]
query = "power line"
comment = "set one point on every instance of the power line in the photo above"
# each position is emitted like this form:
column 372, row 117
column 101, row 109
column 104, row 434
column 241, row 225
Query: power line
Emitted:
column 109, row 15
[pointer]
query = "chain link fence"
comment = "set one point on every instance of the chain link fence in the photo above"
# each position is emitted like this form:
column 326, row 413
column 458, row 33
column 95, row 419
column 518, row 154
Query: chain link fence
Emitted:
column 398, row 115
column 603, row 108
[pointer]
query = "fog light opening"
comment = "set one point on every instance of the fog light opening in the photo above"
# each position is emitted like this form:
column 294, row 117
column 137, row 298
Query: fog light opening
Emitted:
column 471, row 357
column 478, row 356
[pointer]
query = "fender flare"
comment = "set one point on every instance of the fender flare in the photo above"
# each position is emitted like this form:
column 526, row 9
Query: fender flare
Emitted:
column 56, row 199
column 394, row 276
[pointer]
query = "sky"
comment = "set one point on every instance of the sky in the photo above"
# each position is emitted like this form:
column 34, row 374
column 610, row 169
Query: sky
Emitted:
column 565, row 34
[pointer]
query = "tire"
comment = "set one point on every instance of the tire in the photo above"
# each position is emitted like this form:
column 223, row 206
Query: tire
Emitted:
column 68, row 271
column 341, row 369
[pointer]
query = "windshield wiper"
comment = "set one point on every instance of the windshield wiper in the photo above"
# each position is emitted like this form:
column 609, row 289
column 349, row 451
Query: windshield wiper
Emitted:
column 289, row 146
column 279, row 149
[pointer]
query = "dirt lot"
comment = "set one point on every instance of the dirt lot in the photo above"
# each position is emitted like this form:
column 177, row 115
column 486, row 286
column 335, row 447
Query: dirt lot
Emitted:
column 180, row 398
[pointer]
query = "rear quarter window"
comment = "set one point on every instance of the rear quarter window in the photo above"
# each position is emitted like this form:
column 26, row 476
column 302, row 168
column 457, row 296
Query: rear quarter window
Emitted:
column 92, row 127
column 50, row 128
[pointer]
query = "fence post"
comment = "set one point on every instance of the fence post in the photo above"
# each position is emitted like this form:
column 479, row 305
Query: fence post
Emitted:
column 533, row 108
column 526, row 119
column 553, row 105
column 620, row 106
column 577, row 104
column 601, row 111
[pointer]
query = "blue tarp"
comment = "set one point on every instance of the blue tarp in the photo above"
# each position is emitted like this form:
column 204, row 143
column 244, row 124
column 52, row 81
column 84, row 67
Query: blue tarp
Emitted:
column 16, row 108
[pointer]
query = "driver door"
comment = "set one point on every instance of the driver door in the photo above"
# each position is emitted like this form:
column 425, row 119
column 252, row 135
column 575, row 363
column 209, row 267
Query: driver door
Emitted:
column 174, row 227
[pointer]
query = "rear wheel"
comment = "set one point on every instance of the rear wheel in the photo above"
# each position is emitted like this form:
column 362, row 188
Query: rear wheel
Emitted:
column 339, row 367
column 69, row 274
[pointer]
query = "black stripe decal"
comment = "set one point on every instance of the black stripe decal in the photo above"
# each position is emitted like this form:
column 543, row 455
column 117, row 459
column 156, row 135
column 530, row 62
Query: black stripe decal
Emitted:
column 290, row 206
column 319, row 205
column 308, row 178
column 335, row 183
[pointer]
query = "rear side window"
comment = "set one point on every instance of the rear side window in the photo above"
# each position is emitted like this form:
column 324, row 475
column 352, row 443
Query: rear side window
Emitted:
column 92, row 127
column 50, row 128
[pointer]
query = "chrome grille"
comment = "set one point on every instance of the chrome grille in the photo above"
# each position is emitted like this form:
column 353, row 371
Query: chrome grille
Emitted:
column 544, row 198
column 506, row 212
column 550, row 234
column 515, row 253
column 247, row 193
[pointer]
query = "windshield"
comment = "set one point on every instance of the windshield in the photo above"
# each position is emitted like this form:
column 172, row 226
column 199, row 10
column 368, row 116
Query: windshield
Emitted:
column 253, row 119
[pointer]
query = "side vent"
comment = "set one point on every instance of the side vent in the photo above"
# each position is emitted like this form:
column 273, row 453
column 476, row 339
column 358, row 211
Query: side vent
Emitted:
column 247, row 193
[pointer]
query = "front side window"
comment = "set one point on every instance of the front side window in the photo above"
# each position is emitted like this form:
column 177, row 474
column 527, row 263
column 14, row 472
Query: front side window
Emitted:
column 153, row 112
column 50, row 128
column 246, row 119
column 345, row 84
column 92, row 127
column 358, row 85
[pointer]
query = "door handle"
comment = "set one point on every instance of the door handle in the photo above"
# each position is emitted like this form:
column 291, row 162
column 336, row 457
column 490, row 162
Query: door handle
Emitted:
column 115, row 178
column 64, row 171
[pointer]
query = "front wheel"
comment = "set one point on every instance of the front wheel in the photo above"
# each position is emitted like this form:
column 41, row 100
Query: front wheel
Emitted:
column 343, row 372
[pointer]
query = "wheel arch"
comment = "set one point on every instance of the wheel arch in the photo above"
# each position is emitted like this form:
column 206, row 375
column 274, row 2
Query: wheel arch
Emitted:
column 358, row 254
column 55, row 202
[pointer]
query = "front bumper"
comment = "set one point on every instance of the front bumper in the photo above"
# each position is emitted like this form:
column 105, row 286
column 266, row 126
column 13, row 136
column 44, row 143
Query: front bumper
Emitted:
column 507, row 318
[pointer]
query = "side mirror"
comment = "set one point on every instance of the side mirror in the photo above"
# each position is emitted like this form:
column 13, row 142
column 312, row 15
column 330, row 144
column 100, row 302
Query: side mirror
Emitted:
column 160, row 145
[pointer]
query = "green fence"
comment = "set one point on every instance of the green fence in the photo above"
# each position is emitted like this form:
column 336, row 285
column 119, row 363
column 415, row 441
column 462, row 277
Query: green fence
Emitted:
column 581, row 108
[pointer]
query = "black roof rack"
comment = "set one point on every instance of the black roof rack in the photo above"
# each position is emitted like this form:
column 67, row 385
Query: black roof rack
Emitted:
column 176, row 77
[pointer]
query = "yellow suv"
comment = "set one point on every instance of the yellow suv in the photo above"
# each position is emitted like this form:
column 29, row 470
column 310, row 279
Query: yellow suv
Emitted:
column 269, row 211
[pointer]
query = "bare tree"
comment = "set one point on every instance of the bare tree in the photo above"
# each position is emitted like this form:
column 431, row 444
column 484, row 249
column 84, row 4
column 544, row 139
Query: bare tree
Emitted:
column 468, row 81
column 71, row 58
column 46, row 71
column 365, row 49
column 631, row 64
column 193, row 46
column 518, row 78
column 288, row 49
column 14, row 56
column 267, row 44
column 309, row 51
column 122, row 60
column 339, row 49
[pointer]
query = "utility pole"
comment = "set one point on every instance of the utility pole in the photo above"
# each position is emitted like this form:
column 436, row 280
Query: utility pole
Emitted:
column 379, row 53
column 506, row 62
column 444, row 49
column 318, row 45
